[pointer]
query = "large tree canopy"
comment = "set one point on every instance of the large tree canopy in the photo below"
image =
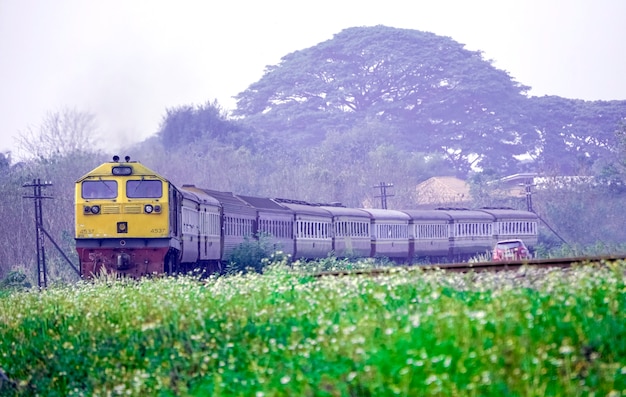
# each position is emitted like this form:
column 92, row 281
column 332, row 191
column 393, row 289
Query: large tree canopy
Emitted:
column 574, row 134
column 442, row 97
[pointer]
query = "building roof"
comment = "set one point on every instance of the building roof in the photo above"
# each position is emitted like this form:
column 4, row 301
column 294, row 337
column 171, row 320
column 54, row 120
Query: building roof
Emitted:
column 440, row 190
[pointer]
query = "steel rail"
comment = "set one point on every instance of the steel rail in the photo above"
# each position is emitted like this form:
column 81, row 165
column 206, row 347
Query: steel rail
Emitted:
column 480, row 266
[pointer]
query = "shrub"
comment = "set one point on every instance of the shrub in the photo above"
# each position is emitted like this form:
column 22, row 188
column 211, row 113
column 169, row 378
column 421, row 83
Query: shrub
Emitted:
column 251, row 255
column 15, row 280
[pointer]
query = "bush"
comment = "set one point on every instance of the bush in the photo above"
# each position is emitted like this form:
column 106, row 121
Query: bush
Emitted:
column 251, row 255
column 15, row 280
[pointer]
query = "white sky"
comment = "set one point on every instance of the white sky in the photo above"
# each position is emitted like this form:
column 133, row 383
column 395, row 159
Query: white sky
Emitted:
column 127, row 61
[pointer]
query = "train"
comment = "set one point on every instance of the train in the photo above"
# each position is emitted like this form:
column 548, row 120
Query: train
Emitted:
column 134, row 222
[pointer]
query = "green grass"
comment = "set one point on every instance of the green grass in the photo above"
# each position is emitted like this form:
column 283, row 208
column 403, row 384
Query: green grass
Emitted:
column 285, row 333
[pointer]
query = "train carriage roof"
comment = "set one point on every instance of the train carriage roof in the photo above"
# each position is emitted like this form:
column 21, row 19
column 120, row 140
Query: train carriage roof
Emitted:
column 228, row 201
column 509, row 213
column 428, row 215
column 463, row 214
column 302, row 207
column 380, row 214
column 345, row 211
column 200, row 196
column 190, row 195
column 264, row 203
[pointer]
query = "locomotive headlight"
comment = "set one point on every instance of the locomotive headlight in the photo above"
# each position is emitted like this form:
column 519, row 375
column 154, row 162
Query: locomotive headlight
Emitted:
column 122, row 227
column 122, row 170
column 157, row 209
column 148, row 208
column 95, row 209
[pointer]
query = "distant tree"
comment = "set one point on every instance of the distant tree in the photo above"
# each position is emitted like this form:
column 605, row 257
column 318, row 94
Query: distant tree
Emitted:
column 574, row 134
column 611, row 169
column 187, row 124
column 440, row 96
column 5, row 162
column 583, row 214
column 61, row 133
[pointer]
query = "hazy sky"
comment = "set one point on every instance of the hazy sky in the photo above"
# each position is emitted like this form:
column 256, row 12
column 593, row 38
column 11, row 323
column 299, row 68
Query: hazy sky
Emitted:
column 127, row 61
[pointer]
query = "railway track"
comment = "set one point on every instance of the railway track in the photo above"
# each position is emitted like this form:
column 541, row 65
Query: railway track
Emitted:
column 482, row 266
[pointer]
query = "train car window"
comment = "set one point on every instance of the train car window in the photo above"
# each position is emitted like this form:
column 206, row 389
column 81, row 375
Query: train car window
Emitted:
column 144, row 189
column 99, row 189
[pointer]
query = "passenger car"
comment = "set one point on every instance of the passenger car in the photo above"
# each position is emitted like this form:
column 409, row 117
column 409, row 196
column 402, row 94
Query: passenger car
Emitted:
column 510, row 250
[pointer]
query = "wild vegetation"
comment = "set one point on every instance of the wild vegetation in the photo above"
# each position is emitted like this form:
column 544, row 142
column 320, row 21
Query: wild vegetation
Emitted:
column 531, row 333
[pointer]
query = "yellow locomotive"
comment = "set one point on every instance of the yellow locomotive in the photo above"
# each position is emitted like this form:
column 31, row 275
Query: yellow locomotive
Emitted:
column 124, row 220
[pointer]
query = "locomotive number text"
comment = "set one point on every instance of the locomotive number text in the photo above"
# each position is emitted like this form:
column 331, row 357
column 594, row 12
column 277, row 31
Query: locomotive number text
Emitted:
column 158, row 230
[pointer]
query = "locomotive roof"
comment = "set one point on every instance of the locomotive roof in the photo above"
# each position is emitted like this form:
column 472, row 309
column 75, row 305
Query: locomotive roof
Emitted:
column 106, row 169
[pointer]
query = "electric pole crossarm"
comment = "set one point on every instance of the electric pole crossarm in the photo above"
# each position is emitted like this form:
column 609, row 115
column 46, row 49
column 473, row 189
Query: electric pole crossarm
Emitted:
column 383, row 193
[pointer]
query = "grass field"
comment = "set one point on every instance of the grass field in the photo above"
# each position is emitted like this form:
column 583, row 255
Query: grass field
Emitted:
column 286, row 333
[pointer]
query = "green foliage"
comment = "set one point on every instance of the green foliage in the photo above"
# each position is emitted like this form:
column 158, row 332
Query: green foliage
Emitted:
column 5, row 162
column 533, row 332
column 253, row 255
column 15, row 280
column 574, row 134
column 189, row 124
column 611, row 170
column 333, row 264
column 579, row 251
column 582, row 215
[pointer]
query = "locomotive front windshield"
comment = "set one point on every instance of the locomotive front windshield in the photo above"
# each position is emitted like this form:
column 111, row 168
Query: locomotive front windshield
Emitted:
column 99, row 189
column 144, row 189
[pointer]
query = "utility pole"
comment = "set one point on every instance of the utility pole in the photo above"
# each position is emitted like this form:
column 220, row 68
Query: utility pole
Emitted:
column 529, row 195
column 37, row 196
column 41, row 250
column 529, row 205
column 383, row 193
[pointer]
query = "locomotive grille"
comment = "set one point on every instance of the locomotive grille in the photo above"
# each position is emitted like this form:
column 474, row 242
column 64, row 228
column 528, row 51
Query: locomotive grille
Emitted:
column 132, row 209
column 110, row 209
